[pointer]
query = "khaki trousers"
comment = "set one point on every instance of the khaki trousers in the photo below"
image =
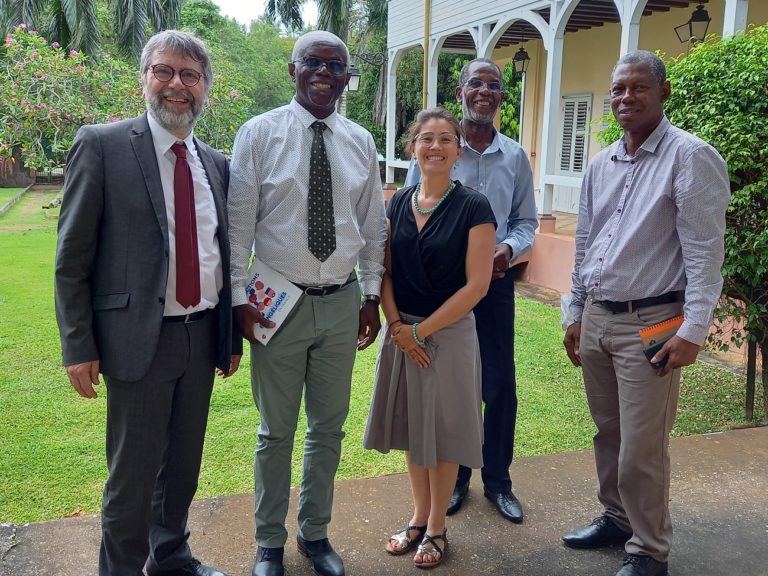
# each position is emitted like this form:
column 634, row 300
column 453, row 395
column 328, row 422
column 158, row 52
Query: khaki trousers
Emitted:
column 311, row 356
column 634, row 411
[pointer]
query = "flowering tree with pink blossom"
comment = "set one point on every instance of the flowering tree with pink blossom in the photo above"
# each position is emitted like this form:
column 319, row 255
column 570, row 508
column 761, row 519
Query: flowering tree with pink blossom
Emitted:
column 48, row 93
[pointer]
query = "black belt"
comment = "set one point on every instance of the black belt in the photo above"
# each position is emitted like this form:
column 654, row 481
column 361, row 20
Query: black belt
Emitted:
column 324, row 290
column 187, row 318
column 630, row 305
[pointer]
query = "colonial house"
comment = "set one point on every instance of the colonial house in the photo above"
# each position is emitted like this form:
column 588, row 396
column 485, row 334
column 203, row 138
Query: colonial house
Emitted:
column 572, row 46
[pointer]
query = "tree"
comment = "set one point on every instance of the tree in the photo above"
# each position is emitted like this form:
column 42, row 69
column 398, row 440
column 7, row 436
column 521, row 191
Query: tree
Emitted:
column 49, row 93
column 332, row 15
column 75, row 26
column 720, row 93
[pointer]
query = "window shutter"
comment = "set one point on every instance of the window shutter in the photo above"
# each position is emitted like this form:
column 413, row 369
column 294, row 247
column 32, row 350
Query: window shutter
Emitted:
column 574, row 141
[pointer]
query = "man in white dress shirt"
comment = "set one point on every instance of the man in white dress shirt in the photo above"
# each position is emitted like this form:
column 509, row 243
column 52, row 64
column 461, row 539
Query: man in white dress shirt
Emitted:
column 305, row 196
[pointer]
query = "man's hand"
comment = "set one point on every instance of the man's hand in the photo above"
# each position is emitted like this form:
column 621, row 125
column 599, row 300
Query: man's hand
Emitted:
column 571, row 341
column 234, row 364
column 369, row 325
column 83, row 376
column 681, row 353
column 501, row 259
column 246, row 317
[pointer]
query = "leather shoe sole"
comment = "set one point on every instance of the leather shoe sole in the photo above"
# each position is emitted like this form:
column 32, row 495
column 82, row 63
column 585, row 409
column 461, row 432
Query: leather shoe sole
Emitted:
column 457, row 499
column 602, row 532
column 507, row 505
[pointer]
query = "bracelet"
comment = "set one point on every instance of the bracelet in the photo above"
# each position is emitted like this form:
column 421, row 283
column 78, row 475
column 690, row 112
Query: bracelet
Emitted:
column 416, row 339
column 395, row 323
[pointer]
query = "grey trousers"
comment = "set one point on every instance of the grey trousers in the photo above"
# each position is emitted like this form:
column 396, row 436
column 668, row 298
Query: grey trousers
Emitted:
column 312, row 354
column 634, row 411
column 155, row 432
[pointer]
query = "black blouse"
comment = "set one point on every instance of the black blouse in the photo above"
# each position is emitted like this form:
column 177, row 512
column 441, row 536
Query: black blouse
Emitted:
column 428, row 267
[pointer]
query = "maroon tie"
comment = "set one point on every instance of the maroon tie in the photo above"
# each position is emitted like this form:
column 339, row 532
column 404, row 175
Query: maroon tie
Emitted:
column 187, row 259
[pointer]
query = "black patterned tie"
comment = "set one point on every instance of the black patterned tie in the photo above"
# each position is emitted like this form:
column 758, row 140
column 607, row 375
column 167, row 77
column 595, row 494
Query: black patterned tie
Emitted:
column 321, row 225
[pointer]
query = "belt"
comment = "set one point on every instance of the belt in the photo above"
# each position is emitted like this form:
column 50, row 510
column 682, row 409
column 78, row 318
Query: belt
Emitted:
column 324, row 290
column 187, row 318
column 630, row 305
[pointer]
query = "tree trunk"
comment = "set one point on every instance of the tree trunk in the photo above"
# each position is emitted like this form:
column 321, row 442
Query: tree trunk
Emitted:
column 12, row 172
column 764, row 362
column 749, row 402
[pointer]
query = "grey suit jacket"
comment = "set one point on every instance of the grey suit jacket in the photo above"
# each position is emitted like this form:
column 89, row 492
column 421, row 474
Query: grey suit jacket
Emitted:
column 112, row 253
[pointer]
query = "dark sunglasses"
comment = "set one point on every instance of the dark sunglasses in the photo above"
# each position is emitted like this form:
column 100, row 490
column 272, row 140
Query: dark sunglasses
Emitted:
column 334, row 67
column 165, row 73
column 476, row 84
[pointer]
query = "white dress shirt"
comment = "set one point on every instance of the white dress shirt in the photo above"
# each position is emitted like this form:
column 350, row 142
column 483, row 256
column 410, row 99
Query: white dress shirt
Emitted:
column 207, row 222
column 267, row 202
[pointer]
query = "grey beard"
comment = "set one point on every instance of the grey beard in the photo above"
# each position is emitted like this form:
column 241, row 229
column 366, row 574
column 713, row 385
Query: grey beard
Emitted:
column 172, row 121
column 472, row 116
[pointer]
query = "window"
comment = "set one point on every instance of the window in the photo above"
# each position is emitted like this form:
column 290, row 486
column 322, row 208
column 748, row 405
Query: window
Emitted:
column 574, row 138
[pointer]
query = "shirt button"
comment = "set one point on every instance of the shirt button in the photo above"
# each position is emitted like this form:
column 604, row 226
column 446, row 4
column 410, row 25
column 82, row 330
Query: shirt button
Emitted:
column 619, row 210
column 599, row 259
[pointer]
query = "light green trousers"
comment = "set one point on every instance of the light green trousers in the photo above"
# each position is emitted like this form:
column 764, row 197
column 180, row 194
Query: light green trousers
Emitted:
column 313, row 353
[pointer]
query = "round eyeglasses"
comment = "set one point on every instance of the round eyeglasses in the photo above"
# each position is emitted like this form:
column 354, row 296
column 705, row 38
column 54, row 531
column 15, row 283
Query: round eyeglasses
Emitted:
column 165, row 73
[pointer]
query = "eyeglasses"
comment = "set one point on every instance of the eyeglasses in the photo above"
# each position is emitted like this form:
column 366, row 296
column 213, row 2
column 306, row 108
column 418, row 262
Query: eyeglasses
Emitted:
column 165, row 73
column 335, row 67
column 477, row 84
column 444, row 139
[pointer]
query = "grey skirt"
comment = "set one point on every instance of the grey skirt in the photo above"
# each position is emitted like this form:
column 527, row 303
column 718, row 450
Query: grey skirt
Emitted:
column 434, row 413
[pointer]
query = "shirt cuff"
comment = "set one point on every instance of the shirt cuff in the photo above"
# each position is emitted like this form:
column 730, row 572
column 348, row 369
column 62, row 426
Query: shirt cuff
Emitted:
column 693, row 333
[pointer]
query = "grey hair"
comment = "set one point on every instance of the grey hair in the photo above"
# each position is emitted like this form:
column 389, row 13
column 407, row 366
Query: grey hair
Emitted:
column 178, row 42
column 321, row 36
column 654, row 63
column 464, row 76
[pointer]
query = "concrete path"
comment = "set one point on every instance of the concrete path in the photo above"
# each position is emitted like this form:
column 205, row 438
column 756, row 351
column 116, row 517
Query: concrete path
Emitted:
column 719, row 507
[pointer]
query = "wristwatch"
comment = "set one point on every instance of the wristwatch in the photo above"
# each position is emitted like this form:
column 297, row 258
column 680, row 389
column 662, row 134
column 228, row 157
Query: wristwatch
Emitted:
column 373, row 297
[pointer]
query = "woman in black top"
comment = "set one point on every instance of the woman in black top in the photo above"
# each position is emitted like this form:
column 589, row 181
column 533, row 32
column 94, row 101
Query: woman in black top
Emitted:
column 438, row 266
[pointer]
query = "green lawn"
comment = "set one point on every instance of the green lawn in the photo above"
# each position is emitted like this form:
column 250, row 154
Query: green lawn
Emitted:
column 52, row 441
column 7, row 193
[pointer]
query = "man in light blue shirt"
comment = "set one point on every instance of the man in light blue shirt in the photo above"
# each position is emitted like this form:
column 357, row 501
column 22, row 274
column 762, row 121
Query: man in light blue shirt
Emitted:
column 498, row 167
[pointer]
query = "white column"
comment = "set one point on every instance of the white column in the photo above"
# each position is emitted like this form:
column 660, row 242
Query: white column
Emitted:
column 392, row 62
column 434, row 55
column 735, row 18
column 551, row 115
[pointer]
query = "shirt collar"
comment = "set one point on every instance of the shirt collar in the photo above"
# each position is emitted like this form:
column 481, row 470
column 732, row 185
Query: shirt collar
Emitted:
column 306, row 118
column 494, row 146
column 653, row 140
column 163, row 139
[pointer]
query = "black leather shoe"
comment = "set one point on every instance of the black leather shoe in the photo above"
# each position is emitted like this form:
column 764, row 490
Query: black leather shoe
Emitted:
column 507, row 505
column 325, row 561
column 602, row 532
column 457, row 499
column 269, row 562
column 194, row 568
column 637, row 565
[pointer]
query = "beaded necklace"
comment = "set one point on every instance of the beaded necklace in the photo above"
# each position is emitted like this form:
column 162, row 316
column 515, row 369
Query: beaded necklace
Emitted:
column 423, row 212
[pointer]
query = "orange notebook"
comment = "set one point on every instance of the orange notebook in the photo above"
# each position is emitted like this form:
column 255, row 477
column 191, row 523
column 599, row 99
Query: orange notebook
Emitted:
column 655, row 336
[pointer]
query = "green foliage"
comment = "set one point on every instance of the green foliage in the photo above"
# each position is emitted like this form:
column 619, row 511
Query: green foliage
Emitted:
column 720, row 93
column 49, row 94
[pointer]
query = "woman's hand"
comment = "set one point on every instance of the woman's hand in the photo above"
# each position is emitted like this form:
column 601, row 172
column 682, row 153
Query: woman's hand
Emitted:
column 402, row 336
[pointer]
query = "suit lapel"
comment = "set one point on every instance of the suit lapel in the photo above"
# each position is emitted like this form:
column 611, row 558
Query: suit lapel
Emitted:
column 144, row 148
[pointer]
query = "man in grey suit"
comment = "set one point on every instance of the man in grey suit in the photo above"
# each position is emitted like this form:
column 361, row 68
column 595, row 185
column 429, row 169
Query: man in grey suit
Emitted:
column 143, row 296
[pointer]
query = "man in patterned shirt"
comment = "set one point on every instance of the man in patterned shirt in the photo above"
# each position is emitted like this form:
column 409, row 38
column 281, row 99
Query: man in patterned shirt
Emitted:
column 649, row 246
column 305, row 195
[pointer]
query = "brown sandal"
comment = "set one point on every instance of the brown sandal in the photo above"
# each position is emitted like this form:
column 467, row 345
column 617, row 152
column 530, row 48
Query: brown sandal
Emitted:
column 435, row 552
column 404, row 540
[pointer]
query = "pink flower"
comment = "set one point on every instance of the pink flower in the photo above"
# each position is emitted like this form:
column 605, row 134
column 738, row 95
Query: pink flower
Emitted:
column 234, row 94
column 55, row 45
column 15, row 86
column 21, row 26
column 8, row 41
column 73, row 52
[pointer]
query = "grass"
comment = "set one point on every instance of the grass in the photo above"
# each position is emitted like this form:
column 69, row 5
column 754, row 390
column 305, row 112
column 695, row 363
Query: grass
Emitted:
column 7, row 193
column 52, row 441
